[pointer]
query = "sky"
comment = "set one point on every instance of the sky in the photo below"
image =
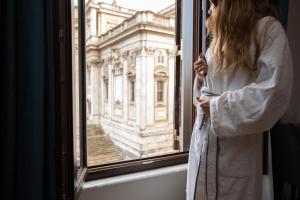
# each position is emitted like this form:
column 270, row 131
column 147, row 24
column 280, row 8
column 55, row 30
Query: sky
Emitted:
column 153, row 5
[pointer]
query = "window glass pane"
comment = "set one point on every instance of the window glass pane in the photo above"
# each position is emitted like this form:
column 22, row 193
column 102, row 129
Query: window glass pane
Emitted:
column 132, row 91
column 106, row 89
column 130, row 96
column 160, row 91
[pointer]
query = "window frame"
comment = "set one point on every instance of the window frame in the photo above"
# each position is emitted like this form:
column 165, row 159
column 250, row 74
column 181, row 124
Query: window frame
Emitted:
column 132, row 90
column 79, row 179
column 106, row 88
column 160, row 58
column 124, row 167
column 160, row 91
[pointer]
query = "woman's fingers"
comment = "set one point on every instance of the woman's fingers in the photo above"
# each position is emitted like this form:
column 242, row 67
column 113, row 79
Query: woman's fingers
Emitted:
column 202, row 56
column 205, row 105
column 204, row 102
column 201, row 66
column 202, row 70
column 200, row 62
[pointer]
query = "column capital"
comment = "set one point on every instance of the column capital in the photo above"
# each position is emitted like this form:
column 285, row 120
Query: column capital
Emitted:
column 94, row 62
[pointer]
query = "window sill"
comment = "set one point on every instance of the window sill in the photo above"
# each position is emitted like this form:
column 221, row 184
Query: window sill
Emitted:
column 105, row 182
column 134, row 166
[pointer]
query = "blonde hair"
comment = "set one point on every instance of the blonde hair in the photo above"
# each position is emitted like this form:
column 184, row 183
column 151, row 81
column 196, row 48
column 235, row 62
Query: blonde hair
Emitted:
column 233, row 28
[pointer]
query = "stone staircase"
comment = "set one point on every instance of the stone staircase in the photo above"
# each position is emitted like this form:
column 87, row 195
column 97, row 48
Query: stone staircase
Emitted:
column 100, row 149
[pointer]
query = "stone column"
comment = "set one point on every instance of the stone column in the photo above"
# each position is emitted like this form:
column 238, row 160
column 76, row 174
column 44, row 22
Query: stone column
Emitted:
column 141, row 66
column 93, row 23
column 149, row 87
column 125, row 86
column 95, row 91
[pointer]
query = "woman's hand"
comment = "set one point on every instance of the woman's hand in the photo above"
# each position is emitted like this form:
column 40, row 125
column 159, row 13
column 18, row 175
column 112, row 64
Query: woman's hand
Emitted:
column 205, row 105
column 200, row 67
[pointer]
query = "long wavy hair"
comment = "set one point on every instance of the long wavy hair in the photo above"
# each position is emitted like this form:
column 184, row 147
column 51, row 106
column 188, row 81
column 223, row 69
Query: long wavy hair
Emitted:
column 232, row 25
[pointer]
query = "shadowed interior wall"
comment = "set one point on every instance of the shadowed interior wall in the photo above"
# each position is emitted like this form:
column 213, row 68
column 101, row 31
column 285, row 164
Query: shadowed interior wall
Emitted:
column 140, row 186
column 293, row 31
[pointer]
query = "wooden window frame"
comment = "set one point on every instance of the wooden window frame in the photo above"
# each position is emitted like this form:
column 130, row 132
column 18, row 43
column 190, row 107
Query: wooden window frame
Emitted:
column 125, row 167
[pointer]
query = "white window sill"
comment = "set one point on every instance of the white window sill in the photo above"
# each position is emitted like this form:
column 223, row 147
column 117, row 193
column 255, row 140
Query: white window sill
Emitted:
column 105, row 182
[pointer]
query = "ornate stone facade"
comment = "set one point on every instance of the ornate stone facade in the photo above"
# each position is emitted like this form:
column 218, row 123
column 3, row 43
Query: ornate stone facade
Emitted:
column 130, row 77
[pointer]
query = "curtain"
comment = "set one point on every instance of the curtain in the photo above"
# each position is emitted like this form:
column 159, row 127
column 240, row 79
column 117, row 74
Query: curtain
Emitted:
column 28, row 131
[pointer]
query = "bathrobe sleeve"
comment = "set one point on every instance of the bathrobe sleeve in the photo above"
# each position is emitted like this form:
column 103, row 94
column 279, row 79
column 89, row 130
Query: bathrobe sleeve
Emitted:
column 259, row 105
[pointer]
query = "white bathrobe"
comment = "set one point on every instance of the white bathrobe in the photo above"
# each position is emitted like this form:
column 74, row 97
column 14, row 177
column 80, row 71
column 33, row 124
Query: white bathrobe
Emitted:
column 225, row 157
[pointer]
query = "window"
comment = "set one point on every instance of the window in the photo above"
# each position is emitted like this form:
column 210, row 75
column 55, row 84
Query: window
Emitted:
column 132, row 91
column 106, row 89
column 116, row 129
column 160, row 91
column 131, row 60
column 160, row 58
column 118, row 89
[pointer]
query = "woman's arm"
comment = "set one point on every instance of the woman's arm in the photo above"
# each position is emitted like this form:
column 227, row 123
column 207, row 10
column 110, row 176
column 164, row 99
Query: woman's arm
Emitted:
column 258, row 106
column 200, row 68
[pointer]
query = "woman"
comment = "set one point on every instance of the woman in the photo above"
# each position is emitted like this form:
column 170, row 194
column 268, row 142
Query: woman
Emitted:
column 247, row 89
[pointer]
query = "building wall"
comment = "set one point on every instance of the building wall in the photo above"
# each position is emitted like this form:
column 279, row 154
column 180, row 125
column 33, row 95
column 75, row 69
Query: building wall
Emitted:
column 144, row 127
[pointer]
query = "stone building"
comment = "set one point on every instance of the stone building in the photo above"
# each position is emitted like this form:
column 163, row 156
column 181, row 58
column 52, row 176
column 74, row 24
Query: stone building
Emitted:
column 130, row 77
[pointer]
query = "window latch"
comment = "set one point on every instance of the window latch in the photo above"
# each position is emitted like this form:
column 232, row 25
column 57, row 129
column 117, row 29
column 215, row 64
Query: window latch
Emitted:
column 178, row 49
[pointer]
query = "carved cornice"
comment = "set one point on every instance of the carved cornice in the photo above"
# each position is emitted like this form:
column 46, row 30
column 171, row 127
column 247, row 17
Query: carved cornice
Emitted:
column 171, row 53
column 149, row 51
column 137, row 51
column 115, row 55
column 125, row 54
column 117, row 68
column 94, row 63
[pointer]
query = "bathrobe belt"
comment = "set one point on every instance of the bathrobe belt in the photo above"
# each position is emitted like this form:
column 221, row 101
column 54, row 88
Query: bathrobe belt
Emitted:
column 208, row 159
